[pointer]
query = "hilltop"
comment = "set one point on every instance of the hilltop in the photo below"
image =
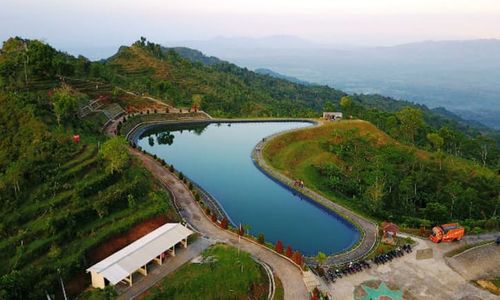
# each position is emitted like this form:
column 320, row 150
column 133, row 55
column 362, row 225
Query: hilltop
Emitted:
column 357, row 165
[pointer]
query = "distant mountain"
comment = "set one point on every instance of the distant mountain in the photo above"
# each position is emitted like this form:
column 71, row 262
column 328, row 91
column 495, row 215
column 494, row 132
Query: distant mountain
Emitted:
column 462, row 76
column 195, row 55
column 280, row 76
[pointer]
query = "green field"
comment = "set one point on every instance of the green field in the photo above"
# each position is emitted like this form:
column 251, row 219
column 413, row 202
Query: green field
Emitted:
column 226, row 273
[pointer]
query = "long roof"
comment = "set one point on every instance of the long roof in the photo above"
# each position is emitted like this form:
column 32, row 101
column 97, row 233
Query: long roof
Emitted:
column 121, row 264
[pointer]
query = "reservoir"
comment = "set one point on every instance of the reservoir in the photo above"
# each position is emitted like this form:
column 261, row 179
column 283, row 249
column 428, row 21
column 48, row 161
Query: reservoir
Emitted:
column 217, row 156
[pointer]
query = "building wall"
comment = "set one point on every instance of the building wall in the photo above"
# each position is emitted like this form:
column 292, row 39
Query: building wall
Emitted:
column 97, row 280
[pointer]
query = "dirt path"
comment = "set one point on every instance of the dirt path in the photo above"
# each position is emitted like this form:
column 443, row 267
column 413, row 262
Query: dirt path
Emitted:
column 289, row 274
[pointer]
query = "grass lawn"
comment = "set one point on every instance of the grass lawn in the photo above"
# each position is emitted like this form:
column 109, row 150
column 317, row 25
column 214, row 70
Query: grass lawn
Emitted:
column 224, row 274
column 296, row 154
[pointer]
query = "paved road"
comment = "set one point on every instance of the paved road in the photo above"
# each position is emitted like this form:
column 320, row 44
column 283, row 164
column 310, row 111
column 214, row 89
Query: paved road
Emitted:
column 290, row 275
column 419, row 279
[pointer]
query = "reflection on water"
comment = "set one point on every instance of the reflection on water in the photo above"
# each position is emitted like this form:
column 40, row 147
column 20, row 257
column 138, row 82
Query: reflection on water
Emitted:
column 218, row 157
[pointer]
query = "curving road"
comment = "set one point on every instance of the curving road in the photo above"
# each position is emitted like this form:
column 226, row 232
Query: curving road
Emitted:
column 290, row 275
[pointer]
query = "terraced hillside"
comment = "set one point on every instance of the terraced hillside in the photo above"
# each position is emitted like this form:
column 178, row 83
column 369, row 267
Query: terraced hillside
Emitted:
column 76, row 209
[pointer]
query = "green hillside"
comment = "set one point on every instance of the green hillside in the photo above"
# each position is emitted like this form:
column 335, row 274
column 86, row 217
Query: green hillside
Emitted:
column 361, row 167
column 60, row 199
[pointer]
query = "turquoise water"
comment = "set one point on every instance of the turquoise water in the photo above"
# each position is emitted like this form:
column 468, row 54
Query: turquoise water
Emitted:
column 218, row 158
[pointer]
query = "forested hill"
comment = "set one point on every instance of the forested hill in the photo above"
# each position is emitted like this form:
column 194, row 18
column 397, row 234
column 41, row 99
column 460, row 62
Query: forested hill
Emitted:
column 229, row 90
column 59, row 198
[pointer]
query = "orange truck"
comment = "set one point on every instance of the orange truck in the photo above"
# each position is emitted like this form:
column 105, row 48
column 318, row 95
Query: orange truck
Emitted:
column 447, row 233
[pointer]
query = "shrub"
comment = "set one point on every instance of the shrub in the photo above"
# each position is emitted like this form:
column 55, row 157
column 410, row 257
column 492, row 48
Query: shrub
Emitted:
column 260, row 238
column 224, row 223
column 154, row 156
column 171, row 168
column 181, row 176
column 491, row 224
column 197, row 197
column 297, row 258
column 279, row 247
column 207, row 211
column 289, row 251
column 155, row 111
column 190, row 185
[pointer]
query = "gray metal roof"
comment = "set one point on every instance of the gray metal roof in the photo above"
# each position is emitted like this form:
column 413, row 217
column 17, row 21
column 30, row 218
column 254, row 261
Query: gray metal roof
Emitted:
column 121, row 264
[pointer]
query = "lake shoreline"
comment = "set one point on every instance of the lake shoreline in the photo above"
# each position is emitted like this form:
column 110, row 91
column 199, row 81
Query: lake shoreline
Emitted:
column 353, row 252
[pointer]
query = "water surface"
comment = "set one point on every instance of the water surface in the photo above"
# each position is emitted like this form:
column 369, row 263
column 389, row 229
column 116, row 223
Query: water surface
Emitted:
column 218, row 158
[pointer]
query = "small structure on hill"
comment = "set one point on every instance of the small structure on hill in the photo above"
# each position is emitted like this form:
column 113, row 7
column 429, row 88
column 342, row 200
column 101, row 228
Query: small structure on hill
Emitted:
column 332, row 116
column 390, row 231
column 120, row 266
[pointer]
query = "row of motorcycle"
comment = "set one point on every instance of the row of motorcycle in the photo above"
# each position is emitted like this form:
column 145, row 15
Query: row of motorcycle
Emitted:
column 331, row 274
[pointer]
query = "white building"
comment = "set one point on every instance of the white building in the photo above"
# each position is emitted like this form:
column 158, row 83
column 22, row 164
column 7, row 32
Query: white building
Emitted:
column 122, row 264
column 332, row 116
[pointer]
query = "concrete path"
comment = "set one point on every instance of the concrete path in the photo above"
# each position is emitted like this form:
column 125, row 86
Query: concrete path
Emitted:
column 182, row 256
column 420, row 279
column 289, row 274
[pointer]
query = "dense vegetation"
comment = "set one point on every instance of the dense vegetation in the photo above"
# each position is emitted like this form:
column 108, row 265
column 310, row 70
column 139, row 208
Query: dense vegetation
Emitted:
column 358, row 165
column 225, row 273
column 59, row 199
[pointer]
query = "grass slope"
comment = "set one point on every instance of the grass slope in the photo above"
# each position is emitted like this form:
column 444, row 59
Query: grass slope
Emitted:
column 226, row 274
column 298, row 155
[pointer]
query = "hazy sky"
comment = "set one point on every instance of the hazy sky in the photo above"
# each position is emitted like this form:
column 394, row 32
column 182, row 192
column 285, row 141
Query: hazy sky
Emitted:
column 91, row 23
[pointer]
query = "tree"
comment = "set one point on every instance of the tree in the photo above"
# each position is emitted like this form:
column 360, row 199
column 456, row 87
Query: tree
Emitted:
column 436, row 141
column 436, row 212
column 289, row 251
column 260, row 238
column 115, row 153
column 453, row 190
column 411, row 120
column 321, row 257
column 224, row 223
column 64, row 103
column 346, row 104
column 196, row 98
column 279, row 247
column 373, row 196
column 297, row 258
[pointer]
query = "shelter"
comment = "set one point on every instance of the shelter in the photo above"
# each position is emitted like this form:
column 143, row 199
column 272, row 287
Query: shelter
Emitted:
column 390, row 229
column 332, row 116
column 152, row 247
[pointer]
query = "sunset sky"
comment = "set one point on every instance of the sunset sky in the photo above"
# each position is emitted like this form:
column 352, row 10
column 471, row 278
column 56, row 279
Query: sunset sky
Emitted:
column 359, row 22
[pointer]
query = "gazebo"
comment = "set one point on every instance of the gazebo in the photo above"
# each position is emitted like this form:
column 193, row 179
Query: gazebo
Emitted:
column 390, row 231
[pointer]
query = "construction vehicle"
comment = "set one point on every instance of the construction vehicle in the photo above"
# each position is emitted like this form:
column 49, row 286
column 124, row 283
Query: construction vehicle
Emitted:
column 447, row 233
